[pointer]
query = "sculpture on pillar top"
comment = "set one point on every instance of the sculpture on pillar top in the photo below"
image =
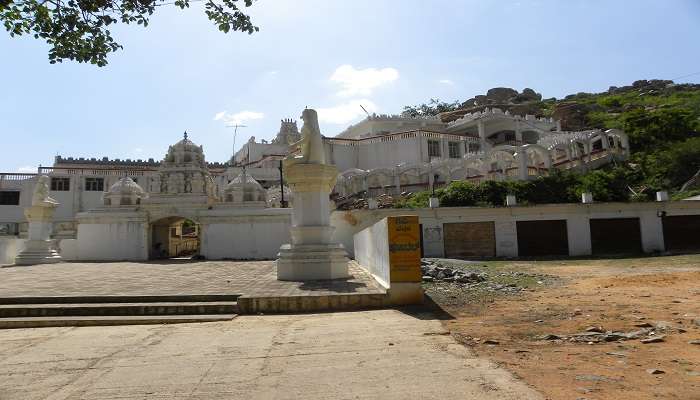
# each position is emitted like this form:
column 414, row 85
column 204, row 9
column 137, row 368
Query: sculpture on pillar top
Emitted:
column 39, row 248
column 311, row 142
column 312, row 253
column 40, row 197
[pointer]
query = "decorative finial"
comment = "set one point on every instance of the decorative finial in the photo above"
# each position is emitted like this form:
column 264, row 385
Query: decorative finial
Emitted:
column 185, row 135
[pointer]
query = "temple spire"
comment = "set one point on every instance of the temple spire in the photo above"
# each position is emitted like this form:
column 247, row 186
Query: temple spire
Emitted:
column 185, row 135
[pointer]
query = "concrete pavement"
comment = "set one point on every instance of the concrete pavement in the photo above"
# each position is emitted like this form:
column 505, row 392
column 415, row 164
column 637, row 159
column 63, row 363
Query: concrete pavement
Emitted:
column 382, row 354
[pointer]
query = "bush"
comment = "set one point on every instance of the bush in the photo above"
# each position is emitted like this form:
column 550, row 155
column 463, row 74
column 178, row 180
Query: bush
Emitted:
column 606, row 185
column 685, row 194
column 459, row 194
column 649, row 130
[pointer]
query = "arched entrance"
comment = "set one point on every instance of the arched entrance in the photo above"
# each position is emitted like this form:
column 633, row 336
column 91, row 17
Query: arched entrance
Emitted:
column 174, row 237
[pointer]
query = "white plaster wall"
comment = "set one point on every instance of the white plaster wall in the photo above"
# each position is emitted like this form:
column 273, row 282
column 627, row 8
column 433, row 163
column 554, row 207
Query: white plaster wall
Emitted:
column 112, row 241
column 578, row 230
column 68, row 248
column 9, row 213
column 9, row 248
column 348, row 223
column 90, row 200
column 371, row 247
column 252, row 239
column 12, row 213
column 389, row 154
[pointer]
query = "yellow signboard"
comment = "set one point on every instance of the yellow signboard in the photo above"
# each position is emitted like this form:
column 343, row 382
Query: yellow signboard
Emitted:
column 404, row 248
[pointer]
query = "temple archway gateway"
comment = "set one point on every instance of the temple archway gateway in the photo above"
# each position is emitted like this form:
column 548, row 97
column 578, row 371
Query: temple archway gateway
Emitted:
column 172, row 237
column 184, row 213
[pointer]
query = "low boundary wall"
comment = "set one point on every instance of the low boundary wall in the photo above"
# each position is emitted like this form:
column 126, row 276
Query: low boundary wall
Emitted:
column 390, row 251
column 577, row 216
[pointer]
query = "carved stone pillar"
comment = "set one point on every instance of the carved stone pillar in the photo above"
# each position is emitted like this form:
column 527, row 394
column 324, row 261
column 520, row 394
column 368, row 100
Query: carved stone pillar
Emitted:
column 312, row 255
column 39, row 249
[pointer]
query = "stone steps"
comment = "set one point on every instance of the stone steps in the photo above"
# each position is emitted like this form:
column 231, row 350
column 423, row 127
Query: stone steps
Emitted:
column 42, row 322
column 25, row 312
column 116, row 309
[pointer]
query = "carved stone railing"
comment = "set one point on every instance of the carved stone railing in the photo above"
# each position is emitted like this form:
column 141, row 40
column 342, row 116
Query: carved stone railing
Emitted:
column 96, row 171
column 16, row 176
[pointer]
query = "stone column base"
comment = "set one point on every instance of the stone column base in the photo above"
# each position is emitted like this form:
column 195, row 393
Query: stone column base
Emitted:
column 38, row 252
column 312, row 262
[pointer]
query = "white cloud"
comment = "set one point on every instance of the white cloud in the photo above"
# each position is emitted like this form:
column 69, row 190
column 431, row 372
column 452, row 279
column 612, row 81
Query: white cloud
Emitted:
column 26, row 169
column 239, row 117
column 446, row 82
column 347, row 112
column 362, row 82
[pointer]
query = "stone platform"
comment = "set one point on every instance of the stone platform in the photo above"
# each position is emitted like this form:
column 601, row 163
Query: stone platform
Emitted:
column 256, row 283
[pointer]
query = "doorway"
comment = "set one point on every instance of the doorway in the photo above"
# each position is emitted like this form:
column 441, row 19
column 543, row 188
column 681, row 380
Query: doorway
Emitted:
column 174, row 237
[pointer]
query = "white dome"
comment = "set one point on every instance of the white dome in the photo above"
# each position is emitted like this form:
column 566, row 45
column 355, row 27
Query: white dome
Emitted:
column 126, row 186
column 185, row 152
column 124, row 192
column 244, row 188
column 244, row 180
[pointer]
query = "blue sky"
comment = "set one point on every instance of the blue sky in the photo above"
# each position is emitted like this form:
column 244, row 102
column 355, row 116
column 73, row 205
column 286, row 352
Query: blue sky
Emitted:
column 181, row 73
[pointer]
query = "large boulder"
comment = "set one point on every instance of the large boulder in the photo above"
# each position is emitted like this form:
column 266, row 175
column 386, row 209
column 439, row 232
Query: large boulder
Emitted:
column 527, row 95
column 573, row 115
column 501, row 94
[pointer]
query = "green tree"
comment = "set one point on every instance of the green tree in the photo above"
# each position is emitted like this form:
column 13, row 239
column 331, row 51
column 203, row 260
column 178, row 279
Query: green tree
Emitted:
column 607, row 185
column 679, row 163
column 459, row 194
column 649, row 130
column 432, row 108
column 559, row 187
column 79, row 29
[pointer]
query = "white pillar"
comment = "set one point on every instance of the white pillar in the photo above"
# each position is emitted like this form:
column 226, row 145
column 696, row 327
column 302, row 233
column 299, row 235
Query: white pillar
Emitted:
column 662, row 196
column 518, row 133
column 506, row 237
column 652, row 231
column 372, row 203
column 312, row 255
column 578, row 230
column 482, row 134
column 522, row 163
column 39, row 249
column 586, row 197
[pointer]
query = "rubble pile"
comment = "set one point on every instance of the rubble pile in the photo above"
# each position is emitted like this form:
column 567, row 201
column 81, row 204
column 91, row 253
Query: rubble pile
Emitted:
column 596, row 334
column 464, row 277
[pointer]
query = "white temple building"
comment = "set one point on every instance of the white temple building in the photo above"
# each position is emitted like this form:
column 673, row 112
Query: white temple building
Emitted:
column 162, row 206
column 394, row 154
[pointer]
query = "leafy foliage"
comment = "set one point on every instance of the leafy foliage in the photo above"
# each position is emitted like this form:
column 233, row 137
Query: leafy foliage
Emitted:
column 432, row 108
column 560, row 187
column 79, row 29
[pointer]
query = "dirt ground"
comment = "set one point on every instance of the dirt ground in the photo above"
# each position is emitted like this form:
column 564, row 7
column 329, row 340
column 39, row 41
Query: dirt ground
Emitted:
column 660, row 293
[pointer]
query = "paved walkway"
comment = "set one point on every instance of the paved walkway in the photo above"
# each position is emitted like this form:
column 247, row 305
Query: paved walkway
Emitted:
column 165, row 278
column 383, row 354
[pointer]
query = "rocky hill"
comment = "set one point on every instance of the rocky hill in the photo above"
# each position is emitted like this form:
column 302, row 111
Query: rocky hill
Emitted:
column 661, row 117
